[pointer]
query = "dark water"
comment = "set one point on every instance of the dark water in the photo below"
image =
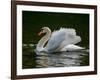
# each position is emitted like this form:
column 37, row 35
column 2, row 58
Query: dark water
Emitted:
column 62, row 59
column 32, row 22
column 57, row 59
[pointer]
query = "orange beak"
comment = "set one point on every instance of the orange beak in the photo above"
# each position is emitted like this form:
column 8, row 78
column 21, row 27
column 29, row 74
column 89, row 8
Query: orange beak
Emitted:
column 39, row 33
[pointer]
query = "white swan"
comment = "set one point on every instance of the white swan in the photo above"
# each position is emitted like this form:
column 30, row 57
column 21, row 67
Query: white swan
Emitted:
column 60, row 40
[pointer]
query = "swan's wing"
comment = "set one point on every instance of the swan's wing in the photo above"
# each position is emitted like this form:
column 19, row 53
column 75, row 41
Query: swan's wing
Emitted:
column 55, row 41
column 70, row 40
column 61, row 38
column 70, row 36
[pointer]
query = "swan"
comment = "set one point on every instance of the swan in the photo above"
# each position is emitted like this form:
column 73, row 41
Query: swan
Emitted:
column 63, row 39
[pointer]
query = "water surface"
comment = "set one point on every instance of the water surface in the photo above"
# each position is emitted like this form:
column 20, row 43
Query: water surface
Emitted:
column 56, row 59
column 61, row 59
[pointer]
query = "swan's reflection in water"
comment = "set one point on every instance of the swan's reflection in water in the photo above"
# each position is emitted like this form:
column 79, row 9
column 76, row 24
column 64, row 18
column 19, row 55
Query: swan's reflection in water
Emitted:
column 62, row 59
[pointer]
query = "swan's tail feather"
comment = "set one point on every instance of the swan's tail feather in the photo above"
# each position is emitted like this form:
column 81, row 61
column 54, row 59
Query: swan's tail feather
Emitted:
column 82, row 50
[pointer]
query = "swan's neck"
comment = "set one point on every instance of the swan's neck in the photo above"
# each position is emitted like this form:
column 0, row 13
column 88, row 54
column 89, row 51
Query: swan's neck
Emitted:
column 42, row 42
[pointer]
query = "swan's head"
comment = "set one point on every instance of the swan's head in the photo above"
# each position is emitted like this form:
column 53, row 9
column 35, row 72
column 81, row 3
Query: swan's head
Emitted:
column 44, row 30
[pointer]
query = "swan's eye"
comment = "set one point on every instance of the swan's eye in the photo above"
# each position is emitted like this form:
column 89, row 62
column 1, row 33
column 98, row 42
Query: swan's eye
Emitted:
column 43, row 31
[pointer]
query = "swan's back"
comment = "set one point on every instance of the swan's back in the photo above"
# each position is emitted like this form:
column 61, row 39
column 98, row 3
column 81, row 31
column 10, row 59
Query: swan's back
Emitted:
column 61, row 38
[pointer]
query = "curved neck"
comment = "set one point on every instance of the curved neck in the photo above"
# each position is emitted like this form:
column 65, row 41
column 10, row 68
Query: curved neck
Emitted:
column 42, row 42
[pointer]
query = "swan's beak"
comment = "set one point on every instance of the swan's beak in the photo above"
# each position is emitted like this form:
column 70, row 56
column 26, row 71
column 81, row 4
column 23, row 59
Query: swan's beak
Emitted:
column 39, row 33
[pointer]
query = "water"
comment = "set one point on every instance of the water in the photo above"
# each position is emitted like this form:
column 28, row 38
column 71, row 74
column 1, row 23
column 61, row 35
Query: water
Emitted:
column 62, row 59
column 57, row 59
